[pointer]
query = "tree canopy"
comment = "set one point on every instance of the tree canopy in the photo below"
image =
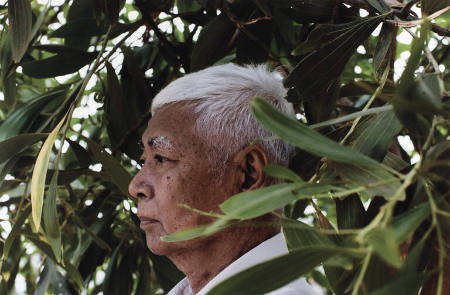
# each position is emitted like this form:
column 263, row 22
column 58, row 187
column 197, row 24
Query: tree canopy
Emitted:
column 366, row 197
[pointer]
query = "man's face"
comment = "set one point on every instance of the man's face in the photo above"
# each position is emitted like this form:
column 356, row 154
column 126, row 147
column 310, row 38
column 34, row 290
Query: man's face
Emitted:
column 176, row 170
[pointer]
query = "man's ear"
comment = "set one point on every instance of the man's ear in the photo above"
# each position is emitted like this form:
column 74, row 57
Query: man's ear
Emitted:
column 252, row 160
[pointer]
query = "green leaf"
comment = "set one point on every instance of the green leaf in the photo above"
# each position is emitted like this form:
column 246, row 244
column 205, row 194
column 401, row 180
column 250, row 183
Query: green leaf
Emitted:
column 251, row 204
column 198, row 231
column 58, row 65
column 25, row 115
column 425, row 95
column 80, row 27
column 82, row 155
column 212, row 43
column 51, row 221
column 404, row 285
column 305, row 138
column 119, row 176
column 279, row 171
column 39, row 174
column 384, row 243
column 383, row 45
column 350, row 212
column 19, row 16
column 405, row 224
column 300, row 235
column 313, row 74
column 45, row 277
column 14, row 145
column 379, row 5
column 275, row 273
column 431, row 6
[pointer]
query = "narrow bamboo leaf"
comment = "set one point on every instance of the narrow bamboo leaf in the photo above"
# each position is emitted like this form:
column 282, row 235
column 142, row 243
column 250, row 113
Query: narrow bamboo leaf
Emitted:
column 198, row 231
column 405, row 224
column 14, row 145
column 375, row 136
column 251, row 204
column 379, row 5
column 212, row 42
column 300, row 235
column 404, row 285
column 384, row 243
column 275, row 273
column 39, row 174
column 383, row 45
column 305, row 138
column 13, row 234
column 281, row 172
column 118, row 174
column 379, row 182
column 313, row 74
column 58, row 65
column 81, row 27
column 395, row 162
column 51, row 221
column 25, row 115
column 352, row 116
column 19, row 17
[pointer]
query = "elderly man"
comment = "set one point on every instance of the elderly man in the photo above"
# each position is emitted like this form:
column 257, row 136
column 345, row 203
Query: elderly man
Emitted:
column 198, row 151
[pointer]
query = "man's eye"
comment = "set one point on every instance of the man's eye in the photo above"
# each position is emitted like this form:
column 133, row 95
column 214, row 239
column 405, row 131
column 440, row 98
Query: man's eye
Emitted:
column 160, row 159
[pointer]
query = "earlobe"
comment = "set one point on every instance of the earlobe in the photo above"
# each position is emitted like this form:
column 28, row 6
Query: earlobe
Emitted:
column 252, row 161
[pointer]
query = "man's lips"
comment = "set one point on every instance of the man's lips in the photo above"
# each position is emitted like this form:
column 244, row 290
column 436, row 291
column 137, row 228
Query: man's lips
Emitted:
column 146, row 222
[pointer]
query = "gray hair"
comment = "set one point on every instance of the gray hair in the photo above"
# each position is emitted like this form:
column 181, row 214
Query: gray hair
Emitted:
column 221, row 101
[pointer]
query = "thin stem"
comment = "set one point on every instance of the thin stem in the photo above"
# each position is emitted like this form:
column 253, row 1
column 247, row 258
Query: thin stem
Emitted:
column 362, row 273
column 25, row 193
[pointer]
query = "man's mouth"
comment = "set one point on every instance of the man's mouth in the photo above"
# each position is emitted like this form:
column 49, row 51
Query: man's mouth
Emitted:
column 147, row 222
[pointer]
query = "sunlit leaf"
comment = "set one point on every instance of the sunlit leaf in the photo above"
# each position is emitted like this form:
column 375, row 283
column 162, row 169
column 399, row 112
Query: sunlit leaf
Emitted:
column 39, row 174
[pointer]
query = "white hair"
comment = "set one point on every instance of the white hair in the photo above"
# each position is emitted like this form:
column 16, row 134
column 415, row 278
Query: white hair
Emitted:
column 221, row 101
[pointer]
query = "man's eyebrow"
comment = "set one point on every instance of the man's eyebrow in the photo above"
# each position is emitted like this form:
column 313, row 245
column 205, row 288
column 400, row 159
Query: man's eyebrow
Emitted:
column 160, row 142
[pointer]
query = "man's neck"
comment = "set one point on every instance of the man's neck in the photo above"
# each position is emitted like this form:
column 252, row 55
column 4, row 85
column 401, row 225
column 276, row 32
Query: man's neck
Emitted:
column 203, row 264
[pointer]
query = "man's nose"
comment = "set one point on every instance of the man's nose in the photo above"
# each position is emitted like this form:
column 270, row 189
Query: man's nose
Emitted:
column 140, row 187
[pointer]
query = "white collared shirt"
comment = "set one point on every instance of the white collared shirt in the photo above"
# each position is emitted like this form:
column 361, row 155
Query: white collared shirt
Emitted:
column 269, row 249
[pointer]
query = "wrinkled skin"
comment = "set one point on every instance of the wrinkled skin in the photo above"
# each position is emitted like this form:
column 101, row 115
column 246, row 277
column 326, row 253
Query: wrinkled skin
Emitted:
column 173, row 176
column 176, row 170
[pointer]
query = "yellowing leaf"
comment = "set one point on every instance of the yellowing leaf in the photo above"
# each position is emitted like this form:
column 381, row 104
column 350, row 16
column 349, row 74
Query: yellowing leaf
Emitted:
column 39, row 174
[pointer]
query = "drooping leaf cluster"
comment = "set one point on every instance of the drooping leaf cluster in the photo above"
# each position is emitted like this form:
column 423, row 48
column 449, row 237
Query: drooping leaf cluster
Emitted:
column 77, row 79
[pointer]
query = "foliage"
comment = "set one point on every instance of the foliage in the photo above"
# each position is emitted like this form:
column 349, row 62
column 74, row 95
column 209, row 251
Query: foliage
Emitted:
column 380, row 224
